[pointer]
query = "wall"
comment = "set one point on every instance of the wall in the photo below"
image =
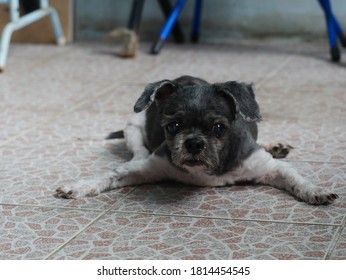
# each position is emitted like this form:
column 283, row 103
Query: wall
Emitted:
column 220, row 17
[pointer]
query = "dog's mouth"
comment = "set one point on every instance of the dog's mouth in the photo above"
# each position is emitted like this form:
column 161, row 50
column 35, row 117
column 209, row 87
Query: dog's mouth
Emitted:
column 194, row 162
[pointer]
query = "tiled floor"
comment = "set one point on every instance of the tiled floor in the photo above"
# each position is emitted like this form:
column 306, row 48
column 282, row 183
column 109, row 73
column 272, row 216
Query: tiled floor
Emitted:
column 58, row 104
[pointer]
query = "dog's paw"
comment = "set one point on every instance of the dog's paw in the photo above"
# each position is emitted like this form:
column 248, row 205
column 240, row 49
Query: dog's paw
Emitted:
column 82, row 188
column 318, row 196
column 278, row 150
column 121, row 172
column 132, row 173
column 128, row 171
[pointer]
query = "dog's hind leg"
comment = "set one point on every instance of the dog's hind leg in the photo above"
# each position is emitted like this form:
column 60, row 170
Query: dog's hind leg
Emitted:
column 135, row 138
column 281, row 175
column 277, row 150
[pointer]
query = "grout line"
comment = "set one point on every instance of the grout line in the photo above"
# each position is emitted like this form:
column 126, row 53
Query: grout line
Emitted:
column 56, row 251
column 43, row 60
column 52, row 254
column 311, row 161
column 111, row 209
column 335, row 240
column 296, row 51
column 226, row 219
column 259, row 84
column 315, row 161
column 52, row 207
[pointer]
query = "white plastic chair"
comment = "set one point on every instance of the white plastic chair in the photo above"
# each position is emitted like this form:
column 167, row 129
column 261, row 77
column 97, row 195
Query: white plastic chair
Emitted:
column 17, row 22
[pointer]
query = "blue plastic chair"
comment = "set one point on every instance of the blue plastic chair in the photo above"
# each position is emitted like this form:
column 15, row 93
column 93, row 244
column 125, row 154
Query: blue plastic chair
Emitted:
column 333, row 27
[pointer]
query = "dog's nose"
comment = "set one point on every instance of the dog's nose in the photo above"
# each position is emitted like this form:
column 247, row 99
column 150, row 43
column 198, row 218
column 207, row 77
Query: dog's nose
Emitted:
column 194, row 145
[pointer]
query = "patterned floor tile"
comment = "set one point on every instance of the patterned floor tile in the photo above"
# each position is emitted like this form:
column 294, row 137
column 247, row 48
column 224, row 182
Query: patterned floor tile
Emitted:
column 244, row 202
column 30, row 172
column 311, row 142
column 24, row 58
column 237, row 58
column 34, row 233
column 339, row 252
column 314, row 103
column 62, row 152
column 78, row 76
column 138, row 236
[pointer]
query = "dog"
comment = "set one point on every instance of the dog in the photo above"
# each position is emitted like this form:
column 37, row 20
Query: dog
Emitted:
column 203, row 134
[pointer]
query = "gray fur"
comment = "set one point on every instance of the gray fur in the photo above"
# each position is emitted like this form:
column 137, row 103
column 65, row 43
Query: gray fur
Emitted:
column 243, row 98
column 198, row 105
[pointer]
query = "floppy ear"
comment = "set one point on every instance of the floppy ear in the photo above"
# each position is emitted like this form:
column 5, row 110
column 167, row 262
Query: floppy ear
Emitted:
column 243, row 99
column 154, row 92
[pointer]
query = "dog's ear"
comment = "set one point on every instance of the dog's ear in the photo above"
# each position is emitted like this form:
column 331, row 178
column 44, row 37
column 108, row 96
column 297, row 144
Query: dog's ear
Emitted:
column 157, row 92
column 242, row 99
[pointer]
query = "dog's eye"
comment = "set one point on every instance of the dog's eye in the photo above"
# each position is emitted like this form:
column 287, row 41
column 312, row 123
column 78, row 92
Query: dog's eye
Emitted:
column 219, row 130
column 173, row 128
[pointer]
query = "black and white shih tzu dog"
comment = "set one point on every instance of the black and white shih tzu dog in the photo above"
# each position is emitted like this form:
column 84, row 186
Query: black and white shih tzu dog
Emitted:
column 201, row 134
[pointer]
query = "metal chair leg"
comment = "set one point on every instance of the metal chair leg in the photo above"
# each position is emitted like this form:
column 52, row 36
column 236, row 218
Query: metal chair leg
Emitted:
column 196, row 21
column 58, row 33
column 136, row 15
column 5, row 44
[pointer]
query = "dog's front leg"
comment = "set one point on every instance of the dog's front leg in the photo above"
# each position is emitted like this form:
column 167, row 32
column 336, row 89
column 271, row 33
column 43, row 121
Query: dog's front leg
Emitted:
column 91, row 186
column 282, row 176
column 152, row 169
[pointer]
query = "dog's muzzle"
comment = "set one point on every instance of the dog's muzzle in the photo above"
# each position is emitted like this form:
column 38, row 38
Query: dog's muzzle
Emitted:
column 194, row 146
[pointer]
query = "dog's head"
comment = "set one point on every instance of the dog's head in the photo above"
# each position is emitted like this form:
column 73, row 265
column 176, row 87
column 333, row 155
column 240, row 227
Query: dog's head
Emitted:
column 200, row 121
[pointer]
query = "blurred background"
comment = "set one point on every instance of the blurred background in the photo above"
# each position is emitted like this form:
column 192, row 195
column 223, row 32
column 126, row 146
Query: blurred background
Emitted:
column 92, row 19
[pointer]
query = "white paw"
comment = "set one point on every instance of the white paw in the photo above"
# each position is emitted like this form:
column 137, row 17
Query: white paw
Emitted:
column 128, row 169
column 131, row 173
column 318, row 196
column 82, row 188
column 120, row 172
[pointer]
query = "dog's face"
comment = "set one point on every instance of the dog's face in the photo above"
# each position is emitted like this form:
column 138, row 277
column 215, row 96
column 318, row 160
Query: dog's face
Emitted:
column 196, row 125
column 199, row 120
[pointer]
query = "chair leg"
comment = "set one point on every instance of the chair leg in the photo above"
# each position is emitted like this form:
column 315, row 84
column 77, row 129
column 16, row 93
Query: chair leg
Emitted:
column 166, row 30
column 177, row 31
column 5, row 44
column 196, row 21
column 47, row 10
column 136, row 15
column 17, row 22
column 334, row 30
column 58, row 33
column 339, row 32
